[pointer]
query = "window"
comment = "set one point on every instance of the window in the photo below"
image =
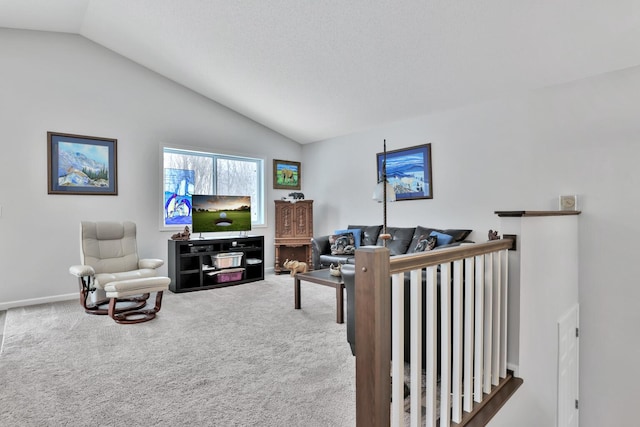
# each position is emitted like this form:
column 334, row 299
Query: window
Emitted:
column 187, row 172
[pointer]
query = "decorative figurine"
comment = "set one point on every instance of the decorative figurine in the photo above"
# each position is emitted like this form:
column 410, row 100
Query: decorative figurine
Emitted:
column 335, row 271
column 182, row 236
column 295, row 266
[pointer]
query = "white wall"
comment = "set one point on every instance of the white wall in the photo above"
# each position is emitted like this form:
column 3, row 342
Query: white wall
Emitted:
column 521, row 153
column 65, row 83
column 545, row 296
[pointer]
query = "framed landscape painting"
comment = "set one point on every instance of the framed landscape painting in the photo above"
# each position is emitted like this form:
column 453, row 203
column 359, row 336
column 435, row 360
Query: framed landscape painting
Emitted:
column 286, row 175
column 78, row 164
column 409, row 172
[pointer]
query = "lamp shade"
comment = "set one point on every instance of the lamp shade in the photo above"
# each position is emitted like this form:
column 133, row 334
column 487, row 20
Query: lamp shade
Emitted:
column 378, row 193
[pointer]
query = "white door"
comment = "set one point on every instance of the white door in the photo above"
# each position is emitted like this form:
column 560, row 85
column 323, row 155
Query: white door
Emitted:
column 568, row 369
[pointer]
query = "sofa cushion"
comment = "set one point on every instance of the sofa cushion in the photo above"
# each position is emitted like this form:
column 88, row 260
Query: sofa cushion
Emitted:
column 369, row 233
column 357, row 234
column 443, row 239
column 400, row 239
column 457, row 234
column 342, row 244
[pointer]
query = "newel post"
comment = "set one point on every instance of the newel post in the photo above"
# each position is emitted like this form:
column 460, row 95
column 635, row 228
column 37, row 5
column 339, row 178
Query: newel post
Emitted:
column 373, row 336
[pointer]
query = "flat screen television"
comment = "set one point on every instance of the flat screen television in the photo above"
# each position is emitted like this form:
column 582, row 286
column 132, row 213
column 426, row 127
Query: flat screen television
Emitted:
column 216, row 213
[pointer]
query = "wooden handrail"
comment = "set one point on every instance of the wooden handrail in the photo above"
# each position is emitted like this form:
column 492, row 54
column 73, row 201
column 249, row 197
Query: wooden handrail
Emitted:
column 408, row 262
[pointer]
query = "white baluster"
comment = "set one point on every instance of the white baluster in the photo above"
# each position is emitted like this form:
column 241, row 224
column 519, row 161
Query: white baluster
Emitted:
column 478, row 366
column 416, row 347
column 397, row 350
column 468, row 333
column 456, row 367
column 488, row 324
column 431, row 346
column 445, row 343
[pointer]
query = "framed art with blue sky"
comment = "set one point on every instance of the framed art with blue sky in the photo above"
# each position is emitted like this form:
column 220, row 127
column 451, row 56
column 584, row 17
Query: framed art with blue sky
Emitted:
column 408, row 171
column 78, row 164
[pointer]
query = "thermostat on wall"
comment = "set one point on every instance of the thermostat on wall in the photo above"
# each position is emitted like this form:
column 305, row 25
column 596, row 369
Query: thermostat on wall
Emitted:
column 569, row 203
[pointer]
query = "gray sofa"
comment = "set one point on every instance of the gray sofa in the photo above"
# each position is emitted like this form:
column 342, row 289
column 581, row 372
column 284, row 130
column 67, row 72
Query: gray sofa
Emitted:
column 329, row 249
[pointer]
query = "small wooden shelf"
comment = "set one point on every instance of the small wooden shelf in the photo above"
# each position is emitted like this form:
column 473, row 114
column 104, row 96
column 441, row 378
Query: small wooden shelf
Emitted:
column 535, row 213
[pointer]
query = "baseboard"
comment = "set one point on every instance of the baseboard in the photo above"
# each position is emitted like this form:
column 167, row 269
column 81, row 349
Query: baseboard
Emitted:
column 4, row 327
column 35, row 301
column 514, row 368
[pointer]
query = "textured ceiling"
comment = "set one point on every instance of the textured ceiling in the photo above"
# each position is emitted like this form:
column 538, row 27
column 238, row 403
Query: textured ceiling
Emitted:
column 316, row 69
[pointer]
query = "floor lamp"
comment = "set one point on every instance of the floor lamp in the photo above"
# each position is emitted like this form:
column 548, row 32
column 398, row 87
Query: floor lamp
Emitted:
column 384, row 193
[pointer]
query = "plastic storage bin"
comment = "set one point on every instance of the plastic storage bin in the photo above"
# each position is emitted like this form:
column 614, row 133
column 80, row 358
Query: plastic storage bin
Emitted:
column 230, row 275
column 227, row 260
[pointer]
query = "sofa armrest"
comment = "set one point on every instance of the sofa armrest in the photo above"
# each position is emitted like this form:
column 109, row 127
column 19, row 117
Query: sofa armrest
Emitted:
column 319, row 246
column 349, row 279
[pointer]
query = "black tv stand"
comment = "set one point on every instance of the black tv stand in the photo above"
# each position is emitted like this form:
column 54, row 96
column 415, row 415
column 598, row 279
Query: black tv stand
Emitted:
column 191, row 267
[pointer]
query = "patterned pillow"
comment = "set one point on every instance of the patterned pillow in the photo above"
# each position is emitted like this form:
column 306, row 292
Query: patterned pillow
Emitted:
column 426, row 243
column 357, row 233
column 342, row 244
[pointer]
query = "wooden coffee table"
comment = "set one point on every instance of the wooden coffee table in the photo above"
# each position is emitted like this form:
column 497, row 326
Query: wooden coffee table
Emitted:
column 321, row 277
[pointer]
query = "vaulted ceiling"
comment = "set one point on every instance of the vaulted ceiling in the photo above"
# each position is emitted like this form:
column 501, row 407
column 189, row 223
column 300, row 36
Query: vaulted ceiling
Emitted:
column 315, row 69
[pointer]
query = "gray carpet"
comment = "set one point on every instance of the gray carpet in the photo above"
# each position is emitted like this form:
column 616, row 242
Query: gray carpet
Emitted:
column 236, row 356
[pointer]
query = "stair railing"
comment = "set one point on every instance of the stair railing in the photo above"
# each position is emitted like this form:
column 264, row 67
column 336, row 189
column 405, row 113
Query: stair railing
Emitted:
column 469, row 285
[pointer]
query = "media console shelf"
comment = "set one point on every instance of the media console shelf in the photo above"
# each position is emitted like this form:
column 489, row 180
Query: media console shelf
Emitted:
column 192, row 263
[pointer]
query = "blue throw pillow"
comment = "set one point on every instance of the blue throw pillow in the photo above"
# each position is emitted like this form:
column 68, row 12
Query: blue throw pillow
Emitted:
column 357, row 234
column 443, row 239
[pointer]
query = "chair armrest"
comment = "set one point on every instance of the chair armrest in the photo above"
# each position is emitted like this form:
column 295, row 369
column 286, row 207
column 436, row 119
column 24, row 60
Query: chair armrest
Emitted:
column 150, row 263
column 82, row 270
column 319, row 246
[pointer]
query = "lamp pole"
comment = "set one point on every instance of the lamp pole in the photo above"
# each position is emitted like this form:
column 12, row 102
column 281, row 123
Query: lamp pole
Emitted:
column 384, row 236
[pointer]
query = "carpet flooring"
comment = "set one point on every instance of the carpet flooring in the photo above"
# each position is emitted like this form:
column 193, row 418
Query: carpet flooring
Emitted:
column 236, row 356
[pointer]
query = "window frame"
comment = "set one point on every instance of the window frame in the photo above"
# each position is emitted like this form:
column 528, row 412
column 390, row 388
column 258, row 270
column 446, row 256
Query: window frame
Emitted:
column 189, row 150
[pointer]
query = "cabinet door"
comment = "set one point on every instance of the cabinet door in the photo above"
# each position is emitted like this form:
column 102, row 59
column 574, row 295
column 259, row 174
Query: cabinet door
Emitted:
column 303, row 220
column 285, row 219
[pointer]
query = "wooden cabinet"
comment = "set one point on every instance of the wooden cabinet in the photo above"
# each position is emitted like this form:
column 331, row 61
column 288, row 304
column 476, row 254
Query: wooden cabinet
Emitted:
column 294, row 230
column 195, row 265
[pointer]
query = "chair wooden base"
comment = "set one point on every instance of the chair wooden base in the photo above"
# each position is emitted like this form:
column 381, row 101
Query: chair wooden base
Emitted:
column 134, row 315
column 101, row 308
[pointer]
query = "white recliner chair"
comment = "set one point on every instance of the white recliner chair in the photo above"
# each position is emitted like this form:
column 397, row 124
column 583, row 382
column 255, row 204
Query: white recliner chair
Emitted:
column 112, row 276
